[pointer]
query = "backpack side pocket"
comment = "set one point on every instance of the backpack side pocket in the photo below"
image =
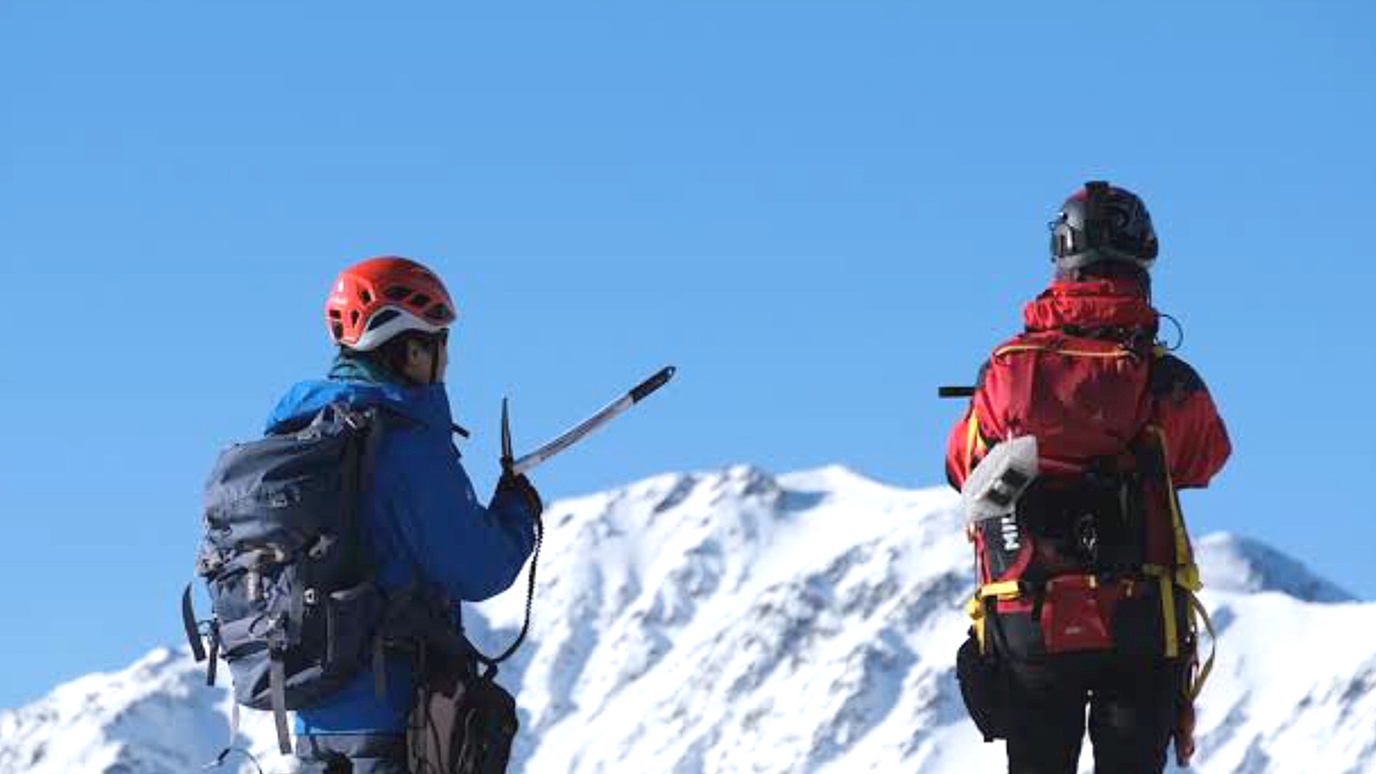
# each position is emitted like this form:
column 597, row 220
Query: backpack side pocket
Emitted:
column 984, row 688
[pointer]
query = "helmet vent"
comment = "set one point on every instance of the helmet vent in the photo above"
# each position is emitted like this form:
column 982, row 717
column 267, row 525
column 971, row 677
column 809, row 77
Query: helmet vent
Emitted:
column 420, row 300
column 334, row 314
column 365, row 296
column 438, row 312
column 397, row 292
column 353, row 317
column 382, row 318
column 338, row 329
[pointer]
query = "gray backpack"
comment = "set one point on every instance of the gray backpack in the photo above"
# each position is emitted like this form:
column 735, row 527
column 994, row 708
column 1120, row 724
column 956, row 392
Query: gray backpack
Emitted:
column 297, row 613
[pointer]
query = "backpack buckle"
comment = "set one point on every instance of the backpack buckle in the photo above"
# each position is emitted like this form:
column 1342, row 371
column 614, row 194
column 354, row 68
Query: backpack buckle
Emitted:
column 1087, row 538
column 354, row 419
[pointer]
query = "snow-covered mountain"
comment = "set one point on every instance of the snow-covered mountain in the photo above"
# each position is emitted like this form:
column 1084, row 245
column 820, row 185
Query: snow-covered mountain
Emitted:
column 738, row 622
column 1246, row 566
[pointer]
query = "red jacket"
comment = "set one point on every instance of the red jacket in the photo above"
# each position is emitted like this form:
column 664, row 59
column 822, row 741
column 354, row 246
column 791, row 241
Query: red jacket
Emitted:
column 1076, row 379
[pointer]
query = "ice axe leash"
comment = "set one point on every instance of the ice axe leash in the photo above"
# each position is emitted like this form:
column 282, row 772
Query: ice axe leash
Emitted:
column 513, row 467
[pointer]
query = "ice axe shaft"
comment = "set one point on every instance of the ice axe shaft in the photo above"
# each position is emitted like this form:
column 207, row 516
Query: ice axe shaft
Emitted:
column 578, row 432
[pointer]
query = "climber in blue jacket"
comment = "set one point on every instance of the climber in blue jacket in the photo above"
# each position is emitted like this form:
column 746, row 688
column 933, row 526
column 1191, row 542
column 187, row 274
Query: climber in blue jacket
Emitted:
column 390, row 318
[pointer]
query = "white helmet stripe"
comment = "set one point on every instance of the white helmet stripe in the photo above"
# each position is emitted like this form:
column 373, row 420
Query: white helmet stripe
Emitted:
column 374, row 337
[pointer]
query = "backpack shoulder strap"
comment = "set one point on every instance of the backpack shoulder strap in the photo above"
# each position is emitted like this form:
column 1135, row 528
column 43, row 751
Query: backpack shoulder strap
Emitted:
column 370, row 426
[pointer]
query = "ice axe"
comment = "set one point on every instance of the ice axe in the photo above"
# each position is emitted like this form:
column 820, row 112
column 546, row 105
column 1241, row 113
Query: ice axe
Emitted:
column 515, row 467
column 576, row 433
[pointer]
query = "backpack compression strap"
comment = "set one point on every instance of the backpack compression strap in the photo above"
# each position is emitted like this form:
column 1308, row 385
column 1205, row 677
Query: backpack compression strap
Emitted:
column 277, row 690
column 193, row 634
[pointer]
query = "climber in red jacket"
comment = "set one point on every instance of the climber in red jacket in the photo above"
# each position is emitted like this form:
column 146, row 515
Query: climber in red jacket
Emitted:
column 1086, row 590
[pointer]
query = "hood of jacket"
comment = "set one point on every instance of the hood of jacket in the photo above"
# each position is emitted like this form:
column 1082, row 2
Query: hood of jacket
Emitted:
column 359, row 385
column 1094, row 305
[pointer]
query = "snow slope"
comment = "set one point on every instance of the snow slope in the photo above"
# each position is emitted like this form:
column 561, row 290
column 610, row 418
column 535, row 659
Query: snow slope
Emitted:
column 738, row 622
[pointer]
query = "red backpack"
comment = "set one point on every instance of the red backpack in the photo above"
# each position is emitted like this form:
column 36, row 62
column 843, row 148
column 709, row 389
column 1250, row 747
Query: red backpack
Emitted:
column 1096, row 555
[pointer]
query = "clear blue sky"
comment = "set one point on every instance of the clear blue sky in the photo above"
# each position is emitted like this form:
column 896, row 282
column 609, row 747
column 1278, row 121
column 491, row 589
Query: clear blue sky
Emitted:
column 818, row 210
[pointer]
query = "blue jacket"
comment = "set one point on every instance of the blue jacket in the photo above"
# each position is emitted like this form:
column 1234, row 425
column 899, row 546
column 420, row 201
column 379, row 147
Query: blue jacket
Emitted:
column 423, row 520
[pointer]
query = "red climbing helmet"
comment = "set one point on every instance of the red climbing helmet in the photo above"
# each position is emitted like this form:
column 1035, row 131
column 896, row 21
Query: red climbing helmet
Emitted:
column 379, row 298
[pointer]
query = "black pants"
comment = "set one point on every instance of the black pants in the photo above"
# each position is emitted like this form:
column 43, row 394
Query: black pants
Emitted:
column 352, row 754
column 1132, row 704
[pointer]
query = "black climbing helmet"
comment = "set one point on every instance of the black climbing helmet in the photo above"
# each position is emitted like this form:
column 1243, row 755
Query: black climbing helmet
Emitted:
column 1102, row 223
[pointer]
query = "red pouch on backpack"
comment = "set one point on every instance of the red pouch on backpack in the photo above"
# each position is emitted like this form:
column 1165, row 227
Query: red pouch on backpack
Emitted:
column 1073, row 615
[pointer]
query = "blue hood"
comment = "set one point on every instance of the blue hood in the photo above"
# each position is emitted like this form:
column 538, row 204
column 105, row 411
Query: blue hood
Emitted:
column 427, row 404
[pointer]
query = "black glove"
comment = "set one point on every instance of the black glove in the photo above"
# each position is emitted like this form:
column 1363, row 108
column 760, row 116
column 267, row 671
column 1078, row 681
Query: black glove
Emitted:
column 522, row 486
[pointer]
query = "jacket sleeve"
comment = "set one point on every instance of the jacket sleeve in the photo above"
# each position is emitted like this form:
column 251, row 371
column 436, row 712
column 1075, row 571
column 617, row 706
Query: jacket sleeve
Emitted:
column 1197, row 441
column 472, row 552
column 966, row 444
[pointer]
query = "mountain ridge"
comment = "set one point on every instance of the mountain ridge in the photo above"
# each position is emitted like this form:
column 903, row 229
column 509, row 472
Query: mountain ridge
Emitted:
column 734, row 620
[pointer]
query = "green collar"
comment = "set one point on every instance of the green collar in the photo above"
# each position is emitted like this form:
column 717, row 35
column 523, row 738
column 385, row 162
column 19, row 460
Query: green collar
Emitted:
column 349, row 367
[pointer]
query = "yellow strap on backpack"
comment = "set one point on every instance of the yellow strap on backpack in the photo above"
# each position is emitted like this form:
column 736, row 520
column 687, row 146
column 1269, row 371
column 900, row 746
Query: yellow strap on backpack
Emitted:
column 976, row 610
column 1172, row 629
column 1196, row 684
column 974, row 441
